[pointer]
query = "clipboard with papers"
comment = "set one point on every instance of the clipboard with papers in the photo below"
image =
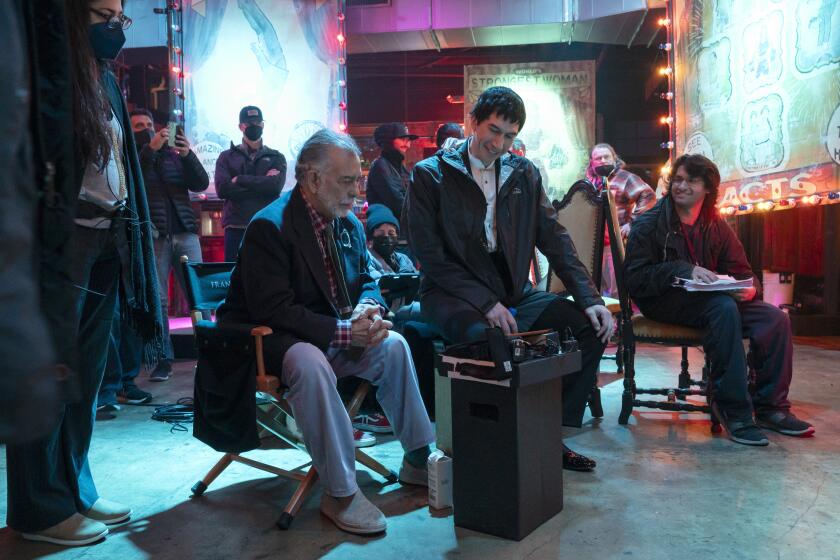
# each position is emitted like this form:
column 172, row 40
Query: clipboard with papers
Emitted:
column 724, row 283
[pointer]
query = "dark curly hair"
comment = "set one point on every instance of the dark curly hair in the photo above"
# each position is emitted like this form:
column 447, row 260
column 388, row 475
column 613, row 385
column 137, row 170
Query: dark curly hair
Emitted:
column 501, row 100
column 696, row 165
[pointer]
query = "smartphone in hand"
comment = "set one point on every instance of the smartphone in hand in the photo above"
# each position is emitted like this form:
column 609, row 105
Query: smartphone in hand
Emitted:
column 173, row 130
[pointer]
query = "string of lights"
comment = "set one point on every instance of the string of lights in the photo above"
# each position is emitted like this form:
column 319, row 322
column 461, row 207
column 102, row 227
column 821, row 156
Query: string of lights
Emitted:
column 175, row 47
column 667, row 71
column 341, row 37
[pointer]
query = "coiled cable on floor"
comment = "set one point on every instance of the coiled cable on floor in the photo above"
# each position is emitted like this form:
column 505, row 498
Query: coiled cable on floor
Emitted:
column 178, row 414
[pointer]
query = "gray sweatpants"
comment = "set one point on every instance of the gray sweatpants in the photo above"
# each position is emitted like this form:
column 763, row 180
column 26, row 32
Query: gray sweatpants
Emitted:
column 311, row 374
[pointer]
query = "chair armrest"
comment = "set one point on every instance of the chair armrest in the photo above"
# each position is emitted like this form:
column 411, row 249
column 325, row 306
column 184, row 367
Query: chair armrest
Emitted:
column 261, row 331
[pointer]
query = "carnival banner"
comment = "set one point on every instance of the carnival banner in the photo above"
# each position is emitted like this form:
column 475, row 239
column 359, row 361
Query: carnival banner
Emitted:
column 758, row 92
column 560, row 104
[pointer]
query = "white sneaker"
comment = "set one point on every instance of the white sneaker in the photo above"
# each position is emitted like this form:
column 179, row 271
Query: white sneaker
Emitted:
column 108, row 512
column 76, row 530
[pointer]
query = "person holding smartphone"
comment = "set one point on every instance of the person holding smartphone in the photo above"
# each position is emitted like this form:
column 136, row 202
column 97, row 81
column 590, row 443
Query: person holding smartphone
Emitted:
column 171, row 171
column 248, row 178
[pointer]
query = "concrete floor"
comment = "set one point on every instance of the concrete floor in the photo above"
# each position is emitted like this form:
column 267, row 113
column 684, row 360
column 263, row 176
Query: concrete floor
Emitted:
column 664, row 488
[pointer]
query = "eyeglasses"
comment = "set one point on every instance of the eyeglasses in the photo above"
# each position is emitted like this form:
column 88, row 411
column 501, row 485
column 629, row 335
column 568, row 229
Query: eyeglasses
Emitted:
column 113, row 22
column 692, row 181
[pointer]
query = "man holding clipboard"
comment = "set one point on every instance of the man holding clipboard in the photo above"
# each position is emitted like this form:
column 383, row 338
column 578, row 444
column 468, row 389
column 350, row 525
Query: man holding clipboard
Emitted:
column 683, row 237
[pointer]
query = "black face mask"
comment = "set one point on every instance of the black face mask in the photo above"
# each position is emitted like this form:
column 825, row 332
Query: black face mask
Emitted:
column 143, row 137
column 385, row 245
column 253, row 132
column 106, row 43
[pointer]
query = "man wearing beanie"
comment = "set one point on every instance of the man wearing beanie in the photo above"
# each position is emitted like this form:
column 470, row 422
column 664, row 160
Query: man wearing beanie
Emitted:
column 388, row 178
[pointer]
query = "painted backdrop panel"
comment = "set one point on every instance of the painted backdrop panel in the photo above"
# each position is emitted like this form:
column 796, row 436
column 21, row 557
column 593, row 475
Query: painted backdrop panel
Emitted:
column 280, row 55
column 560, row 105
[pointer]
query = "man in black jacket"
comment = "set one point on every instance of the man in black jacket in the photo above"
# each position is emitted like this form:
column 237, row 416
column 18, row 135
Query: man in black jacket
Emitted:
column 475, row 215
column 388, row 178
column 682, row 236
column 248, row 178
column 303, row 271
column 170, row 174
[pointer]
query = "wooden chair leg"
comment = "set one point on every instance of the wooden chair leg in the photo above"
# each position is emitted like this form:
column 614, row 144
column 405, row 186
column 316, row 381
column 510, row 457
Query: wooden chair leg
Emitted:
column 629, row 394
column 300, row 495
column 685, row 376
column 595, row 406
column 200, row 486
column 358, row 397
column 376, row 466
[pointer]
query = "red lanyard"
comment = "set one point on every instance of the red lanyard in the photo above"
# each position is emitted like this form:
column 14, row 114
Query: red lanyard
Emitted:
column 689, row 244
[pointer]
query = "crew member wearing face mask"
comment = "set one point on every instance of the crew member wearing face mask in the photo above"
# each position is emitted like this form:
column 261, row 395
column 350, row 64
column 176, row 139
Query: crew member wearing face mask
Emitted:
column 248, row 177
column 383, row 230
column 52, row 495
column 170, row 174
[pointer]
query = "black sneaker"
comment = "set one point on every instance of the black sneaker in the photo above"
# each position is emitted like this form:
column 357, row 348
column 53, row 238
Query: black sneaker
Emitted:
column 785, row 423
column 740, row 431
column 107, row 411
column 162, row 372
column 132, row 394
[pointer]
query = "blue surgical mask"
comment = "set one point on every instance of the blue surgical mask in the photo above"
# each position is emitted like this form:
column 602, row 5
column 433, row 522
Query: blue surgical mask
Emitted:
column 105, row 42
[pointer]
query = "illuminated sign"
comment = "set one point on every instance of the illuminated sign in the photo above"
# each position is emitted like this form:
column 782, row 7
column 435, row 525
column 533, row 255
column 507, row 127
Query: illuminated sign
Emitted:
column 758, row 92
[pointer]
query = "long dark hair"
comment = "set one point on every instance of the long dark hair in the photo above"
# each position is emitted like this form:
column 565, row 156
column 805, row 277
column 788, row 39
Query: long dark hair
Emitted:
column 91, row 108
column 700, row 166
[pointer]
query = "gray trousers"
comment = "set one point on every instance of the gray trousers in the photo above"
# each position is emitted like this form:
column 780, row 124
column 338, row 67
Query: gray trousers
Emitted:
column 168, row 252
column 311, row 375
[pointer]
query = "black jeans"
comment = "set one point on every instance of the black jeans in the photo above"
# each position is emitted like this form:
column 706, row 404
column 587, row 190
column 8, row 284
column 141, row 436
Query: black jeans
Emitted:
column 233, row 239
column 727, row 323
column 558, row 314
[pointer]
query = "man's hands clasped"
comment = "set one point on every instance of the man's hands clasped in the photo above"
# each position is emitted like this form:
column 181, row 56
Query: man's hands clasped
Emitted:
column 367, row 327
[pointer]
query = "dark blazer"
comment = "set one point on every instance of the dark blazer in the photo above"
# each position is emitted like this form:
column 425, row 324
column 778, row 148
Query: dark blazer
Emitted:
column 280, row 280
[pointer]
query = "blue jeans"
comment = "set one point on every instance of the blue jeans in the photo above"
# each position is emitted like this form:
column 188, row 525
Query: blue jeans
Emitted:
column 168, row 252
column 125, row 357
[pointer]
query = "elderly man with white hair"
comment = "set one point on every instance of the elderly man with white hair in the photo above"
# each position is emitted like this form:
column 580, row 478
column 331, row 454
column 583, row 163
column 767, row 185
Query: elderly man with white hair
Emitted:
column 303, row 271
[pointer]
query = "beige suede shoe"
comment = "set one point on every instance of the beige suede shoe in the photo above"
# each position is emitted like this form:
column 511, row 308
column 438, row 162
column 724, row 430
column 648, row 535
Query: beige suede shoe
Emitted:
column 76, row 530
column 354, row 514
column 108, row 512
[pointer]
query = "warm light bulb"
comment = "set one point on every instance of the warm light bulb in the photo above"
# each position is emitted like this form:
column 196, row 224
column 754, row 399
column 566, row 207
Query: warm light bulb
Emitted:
column 342, row 127
column 727, row 210
column 340, row 37
column 666, row 120
column 667, row 95
column 811, row 199
column 665, row 71
column 765, row 205
column 665, row 169
column 664, row 21
column 176, row 69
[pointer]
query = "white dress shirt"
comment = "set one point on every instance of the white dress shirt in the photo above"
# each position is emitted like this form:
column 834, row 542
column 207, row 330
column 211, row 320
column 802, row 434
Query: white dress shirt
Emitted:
column 485, row 176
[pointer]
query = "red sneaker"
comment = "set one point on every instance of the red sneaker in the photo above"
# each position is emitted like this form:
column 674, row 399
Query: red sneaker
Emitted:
column 376, row 423
column 363, row 439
